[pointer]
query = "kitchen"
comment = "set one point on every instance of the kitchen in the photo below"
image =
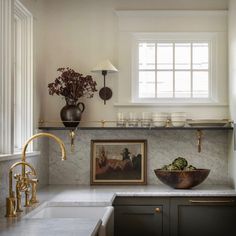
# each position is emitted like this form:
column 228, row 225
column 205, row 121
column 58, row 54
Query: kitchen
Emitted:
column 39, row 37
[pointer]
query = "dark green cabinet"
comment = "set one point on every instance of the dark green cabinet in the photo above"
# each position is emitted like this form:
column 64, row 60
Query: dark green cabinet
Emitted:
column 175, row 216
column 141, row 217
column 203, row 216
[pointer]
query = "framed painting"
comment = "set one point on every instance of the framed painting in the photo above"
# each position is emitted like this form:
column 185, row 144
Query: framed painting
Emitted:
column 118, row 162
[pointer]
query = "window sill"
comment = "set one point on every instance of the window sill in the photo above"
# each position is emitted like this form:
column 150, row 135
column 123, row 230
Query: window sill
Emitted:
column 14, row 156
column 134, row 104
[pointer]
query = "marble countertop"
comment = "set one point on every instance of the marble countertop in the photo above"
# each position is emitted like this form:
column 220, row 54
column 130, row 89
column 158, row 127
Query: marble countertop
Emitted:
column 77, row 195
column 51, row 227
column 104, row 195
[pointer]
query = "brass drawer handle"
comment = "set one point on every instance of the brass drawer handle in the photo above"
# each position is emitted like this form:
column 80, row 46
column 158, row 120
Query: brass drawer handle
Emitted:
column 211, row 201
column 157, row 210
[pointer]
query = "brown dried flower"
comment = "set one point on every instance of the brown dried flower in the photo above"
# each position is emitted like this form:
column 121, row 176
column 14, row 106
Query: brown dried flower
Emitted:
column 72, row 85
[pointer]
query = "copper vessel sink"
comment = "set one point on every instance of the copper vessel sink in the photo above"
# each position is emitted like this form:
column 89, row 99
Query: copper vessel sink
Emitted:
column 181, row 179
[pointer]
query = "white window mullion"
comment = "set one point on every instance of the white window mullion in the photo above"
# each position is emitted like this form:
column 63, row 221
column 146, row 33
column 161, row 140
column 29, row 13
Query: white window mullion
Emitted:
column 30, row 96
column 6, row 119
column 173, row 70
column 191, row 69
column 24, row 117
column 156, row 70
column 25, row 77
column 17, row 85
column 210, row 72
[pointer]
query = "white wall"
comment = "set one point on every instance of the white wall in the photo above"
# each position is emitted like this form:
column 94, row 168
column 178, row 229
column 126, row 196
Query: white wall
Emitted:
column 232, row 82
column 131, row 22
column 80, row 33
column 77, row 34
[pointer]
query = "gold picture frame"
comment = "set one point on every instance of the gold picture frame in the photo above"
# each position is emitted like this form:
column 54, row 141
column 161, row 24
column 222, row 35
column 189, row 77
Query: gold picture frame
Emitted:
column 118, row 162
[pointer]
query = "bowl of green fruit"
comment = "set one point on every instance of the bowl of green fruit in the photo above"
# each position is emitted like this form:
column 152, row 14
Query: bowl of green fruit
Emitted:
column 180, row 175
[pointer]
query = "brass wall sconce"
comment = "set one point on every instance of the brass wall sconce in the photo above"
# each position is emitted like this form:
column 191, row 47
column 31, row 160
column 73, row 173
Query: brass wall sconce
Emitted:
column 105, row 67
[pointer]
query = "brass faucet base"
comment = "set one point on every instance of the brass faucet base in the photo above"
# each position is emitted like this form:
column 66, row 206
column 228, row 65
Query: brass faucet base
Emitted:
column 10, row 206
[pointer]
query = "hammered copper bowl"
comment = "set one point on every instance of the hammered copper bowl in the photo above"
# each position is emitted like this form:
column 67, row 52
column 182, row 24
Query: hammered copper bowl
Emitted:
column 182, row 179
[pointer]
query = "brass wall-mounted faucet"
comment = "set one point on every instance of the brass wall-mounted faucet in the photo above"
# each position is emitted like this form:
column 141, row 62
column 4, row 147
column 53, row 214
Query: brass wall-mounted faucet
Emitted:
column 13, row 202
column 26, row 182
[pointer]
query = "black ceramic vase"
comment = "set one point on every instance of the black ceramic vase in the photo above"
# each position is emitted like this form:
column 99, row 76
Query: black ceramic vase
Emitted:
column 71, row 113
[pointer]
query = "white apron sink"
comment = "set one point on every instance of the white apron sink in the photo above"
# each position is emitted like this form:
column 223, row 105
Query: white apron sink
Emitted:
column 105, row 214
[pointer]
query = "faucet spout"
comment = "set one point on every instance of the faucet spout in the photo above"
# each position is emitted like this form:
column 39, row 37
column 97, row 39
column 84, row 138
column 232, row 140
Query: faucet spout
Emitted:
column 58, row 140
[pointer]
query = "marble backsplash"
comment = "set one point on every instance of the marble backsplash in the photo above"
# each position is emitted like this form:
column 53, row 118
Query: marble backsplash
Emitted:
column 163, row 147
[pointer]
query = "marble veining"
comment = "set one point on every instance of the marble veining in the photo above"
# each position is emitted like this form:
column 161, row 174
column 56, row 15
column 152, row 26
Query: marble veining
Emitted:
column 163, row 147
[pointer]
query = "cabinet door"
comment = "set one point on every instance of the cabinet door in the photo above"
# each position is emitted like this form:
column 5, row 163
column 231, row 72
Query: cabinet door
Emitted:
column 138, row 221
column 203, row 216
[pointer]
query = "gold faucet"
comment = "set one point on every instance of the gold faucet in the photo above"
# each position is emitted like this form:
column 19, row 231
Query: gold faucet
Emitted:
column 58, row 140
column 23, row 181
column 13, row 203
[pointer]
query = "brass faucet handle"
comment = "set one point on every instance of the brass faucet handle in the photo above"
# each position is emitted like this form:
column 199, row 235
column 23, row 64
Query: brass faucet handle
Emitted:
column 27, row 201
column 30, row 173
column 18, row 200
column 20, row 183
column 17, row 176
column 34, row 199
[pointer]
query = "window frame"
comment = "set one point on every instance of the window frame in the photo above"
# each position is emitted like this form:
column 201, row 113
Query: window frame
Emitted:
column 23, row 127
column 175, row 37
column 9, row 10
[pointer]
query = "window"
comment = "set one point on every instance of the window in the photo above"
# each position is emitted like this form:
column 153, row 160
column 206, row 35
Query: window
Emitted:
column 173, row 70
column 16, row 93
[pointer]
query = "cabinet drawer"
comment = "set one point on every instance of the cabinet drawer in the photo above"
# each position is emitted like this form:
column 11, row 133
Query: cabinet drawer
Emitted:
column 138, row 201
column 203, row 216
column 139, row 220
column 144, row 216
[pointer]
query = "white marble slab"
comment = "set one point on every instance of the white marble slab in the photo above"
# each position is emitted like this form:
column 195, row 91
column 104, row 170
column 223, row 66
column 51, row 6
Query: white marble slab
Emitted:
column 52, row 227
column 104, row 195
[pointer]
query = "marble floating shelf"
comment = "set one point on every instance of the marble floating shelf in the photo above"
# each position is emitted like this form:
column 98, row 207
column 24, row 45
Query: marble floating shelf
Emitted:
column 138, row 128
column 197, row 129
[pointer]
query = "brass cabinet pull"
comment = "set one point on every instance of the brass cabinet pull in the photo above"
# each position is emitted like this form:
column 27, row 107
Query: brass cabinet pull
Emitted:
column 211, row 201
column 157, row 210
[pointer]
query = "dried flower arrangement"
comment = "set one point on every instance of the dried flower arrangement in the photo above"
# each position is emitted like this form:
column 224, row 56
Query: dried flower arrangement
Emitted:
column 72, row 85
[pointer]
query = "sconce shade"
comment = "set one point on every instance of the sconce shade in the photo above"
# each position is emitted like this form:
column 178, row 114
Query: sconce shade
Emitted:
column 104, row 66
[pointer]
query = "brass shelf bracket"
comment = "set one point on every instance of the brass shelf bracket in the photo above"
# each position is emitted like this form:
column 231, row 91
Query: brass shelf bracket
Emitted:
column 72, row 140
column 199, row 140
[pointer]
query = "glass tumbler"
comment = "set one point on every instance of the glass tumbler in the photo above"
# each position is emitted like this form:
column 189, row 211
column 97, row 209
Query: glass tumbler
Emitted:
column 146, row 119
column 120, row 122
column 133, row 120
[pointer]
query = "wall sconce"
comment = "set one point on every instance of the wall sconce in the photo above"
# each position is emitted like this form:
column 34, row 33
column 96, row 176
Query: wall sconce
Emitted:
column 105, row 93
